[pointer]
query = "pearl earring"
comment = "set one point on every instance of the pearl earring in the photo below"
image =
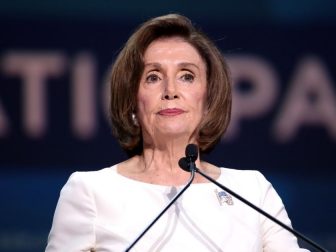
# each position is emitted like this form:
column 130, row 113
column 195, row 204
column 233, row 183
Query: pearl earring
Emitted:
column 134, row 119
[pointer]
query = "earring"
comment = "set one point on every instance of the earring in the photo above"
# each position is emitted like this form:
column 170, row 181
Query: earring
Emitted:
column 134, row 119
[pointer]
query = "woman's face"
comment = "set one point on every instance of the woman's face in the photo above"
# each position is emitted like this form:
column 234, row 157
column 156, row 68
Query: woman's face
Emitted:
column 172, row 90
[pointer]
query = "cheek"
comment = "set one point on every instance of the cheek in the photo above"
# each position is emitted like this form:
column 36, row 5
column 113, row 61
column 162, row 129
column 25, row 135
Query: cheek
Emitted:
column 200, row 99
column 145, row 106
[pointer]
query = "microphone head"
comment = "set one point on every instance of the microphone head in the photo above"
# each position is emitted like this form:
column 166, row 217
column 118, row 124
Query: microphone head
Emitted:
column 191, row 152
column 183, row 163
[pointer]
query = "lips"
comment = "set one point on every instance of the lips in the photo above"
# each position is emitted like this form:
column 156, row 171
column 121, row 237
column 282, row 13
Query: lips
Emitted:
column 171, row 112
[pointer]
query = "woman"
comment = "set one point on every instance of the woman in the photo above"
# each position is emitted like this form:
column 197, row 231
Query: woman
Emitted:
column 170, row 86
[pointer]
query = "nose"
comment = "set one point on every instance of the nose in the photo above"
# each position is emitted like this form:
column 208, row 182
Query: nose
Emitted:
column 170, row 92
column 169, row 97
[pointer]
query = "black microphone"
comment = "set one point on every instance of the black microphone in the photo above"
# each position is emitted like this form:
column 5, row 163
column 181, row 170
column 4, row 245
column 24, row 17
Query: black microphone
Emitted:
column 188, row 162
column 184, row 163
column 192, row 175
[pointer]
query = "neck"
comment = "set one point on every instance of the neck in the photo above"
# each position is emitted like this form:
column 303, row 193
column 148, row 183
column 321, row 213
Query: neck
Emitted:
column 158, row 164
column 163, row 157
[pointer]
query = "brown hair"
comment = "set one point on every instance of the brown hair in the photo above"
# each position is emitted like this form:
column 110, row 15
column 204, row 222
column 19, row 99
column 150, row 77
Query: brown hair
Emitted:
column 128, row 68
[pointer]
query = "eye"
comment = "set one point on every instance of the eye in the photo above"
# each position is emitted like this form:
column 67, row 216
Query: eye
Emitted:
column 152, row 78
column 188, row 77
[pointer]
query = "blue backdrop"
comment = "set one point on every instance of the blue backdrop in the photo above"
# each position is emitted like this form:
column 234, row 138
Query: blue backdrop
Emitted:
column 55, row 60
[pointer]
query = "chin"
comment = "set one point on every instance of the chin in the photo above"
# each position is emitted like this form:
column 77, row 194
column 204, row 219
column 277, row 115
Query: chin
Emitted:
column 175, row 131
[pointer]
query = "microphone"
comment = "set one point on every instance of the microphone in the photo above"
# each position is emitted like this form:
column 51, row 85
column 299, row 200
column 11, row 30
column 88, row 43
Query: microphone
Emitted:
column 184, row 163
column 188, row 162
column 192, row 175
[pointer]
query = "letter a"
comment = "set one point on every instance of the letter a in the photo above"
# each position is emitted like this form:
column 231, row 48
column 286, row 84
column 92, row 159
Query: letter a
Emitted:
column 310, row 101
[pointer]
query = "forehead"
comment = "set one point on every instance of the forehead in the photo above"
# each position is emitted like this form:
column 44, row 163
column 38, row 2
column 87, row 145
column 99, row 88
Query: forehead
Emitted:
column 174, row 48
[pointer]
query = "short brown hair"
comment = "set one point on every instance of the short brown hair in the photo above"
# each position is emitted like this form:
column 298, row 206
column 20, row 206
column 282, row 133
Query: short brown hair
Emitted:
column 128, row 68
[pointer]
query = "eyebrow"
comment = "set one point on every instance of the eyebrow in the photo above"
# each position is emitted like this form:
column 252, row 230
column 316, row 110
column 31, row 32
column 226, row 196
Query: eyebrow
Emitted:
column 188, row 64
column 155, row 65
column 182, row 64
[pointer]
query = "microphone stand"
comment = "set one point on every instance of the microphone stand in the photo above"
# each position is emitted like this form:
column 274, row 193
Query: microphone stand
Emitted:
column 296, row 233
column 192, row 175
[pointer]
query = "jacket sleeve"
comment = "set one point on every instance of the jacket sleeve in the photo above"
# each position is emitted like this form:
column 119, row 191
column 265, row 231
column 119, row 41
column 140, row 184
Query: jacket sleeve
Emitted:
column 275, row 237
column 73, row 224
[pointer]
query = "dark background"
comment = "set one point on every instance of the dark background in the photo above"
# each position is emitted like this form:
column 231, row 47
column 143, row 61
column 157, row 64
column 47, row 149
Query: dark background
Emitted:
column 282, row 34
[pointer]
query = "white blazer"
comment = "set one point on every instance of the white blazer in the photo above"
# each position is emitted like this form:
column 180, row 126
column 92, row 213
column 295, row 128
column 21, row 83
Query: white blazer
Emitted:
column 105, row 211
